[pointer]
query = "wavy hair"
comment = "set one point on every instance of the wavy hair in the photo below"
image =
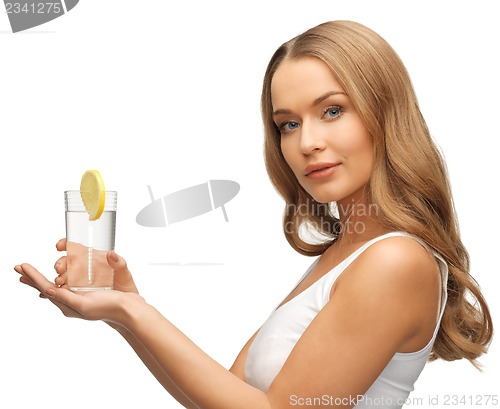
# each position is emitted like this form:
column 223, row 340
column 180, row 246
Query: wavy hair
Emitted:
column 409, row 183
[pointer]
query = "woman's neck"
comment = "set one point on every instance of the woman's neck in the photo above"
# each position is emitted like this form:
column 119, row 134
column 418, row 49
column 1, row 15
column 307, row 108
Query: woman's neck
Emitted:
column 360, row 221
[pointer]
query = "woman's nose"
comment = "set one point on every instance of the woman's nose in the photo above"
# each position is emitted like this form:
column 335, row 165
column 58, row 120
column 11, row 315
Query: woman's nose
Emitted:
column 311, row 139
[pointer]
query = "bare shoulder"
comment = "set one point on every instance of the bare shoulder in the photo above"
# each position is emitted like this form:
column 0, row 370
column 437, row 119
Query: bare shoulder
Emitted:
column 395, row 279
column 399, row 261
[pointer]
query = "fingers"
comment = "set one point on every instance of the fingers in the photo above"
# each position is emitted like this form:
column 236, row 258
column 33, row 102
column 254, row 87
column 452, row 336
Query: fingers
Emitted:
column 61, row 265
column 63, row 296
column 73, row 304
column 24, row 278
column 122, row 280
column 117, row 263
column 60, row 296
column 61, row 280
column 61, row 245
column 27, row 281
column 18, row 269
column 31, row 276
column 67, row 311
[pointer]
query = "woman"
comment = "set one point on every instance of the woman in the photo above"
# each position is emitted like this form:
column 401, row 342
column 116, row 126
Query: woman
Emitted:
column 366, row 189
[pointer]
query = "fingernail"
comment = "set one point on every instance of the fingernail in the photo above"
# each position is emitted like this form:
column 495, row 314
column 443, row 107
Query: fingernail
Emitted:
column 51, row 292
column 114, row 257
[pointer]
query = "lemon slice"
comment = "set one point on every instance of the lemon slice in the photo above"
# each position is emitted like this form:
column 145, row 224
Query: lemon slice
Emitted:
column 93, row 193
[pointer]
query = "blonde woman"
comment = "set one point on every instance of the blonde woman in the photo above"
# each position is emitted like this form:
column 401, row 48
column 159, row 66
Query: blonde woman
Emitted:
column 366, row 191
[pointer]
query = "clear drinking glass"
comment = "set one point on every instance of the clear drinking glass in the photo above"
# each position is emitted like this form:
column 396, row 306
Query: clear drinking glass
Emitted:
column 88, row 242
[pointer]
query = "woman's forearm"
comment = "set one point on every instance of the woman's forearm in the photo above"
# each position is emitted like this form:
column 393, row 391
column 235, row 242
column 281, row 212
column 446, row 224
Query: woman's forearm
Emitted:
column 154, row 368
column 205, row 382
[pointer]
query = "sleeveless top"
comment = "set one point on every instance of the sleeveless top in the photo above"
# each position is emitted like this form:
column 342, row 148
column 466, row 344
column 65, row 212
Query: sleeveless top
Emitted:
column 286, row 324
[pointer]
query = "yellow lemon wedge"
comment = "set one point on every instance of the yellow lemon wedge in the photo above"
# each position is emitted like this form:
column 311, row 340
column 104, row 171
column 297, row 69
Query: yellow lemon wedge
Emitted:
column 93, row 193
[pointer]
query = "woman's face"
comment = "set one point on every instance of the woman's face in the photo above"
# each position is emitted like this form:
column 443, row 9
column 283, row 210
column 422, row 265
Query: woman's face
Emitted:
column 322, row 137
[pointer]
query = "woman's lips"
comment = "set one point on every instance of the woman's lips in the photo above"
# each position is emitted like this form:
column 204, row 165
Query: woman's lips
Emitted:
column 320, row 170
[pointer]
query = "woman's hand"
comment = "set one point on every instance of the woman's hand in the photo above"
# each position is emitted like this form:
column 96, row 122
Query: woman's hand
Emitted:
column 122, row 279
column 106, row 305
column 103, row 305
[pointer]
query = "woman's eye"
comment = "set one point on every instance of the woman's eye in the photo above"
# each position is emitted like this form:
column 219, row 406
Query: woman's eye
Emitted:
column 288, row 126
column 332, row 112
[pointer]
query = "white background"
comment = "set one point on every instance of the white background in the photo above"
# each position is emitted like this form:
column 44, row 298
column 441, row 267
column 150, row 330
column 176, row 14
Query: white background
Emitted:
column 167, row 94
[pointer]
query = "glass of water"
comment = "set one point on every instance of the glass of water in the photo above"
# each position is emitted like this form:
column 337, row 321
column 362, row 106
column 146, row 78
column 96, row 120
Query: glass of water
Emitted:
column 88, row 242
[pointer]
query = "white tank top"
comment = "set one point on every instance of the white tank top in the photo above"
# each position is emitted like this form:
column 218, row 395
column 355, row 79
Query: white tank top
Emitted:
column 286, row 324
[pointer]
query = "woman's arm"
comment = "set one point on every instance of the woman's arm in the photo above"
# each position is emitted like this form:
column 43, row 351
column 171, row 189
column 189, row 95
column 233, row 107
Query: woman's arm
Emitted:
column 238, row 367
column 207, row 383
column 123, row 281
column 383, row 303
column 178, row 364
column 154, row 368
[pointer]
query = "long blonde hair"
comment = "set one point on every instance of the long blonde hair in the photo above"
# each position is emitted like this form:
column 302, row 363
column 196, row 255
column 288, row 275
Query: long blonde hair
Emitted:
column 409, row 182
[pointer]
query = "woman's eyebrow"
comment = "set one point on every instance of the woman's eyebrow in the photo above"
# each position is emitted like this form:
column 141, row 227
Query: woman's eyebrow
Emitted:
column 281, row 112
column 325, row 96
column 315, row 102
